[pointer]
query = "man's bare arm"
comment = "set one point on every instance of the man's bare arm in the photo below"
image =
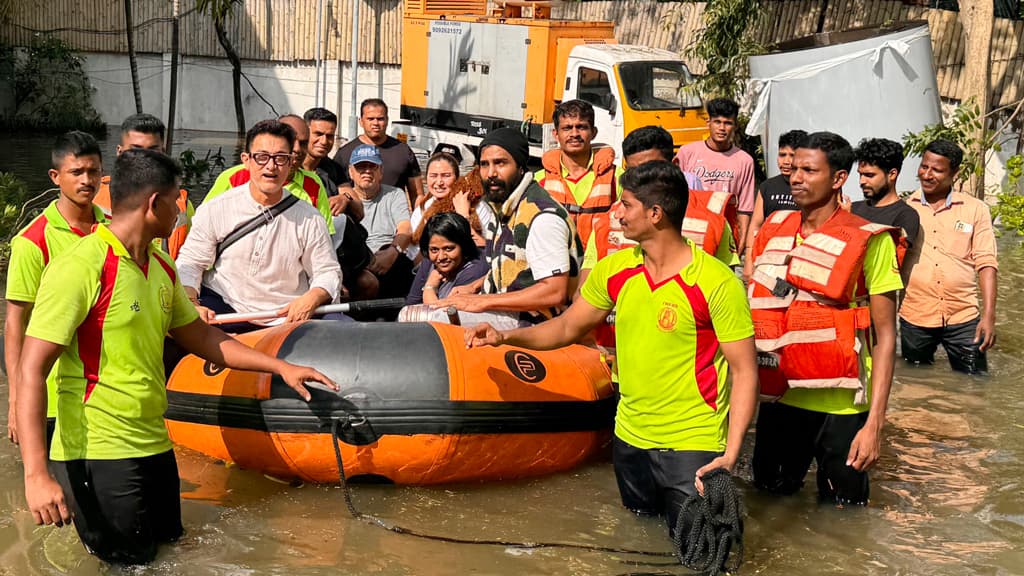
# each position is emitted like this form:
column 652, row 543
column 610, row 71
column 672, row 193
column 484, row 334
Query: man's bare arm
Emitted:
column 42, row 493
column 213, row 344
column 550, row 292
column 742, row 359
column 15, row 324
column 866, row 444
column 562, row 330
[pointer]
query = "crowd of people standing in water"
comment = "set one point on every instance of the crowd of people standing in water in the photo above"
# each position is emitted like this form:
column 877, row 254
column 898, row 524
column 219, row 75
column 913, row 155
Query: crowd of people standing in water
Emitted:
column 722, row 292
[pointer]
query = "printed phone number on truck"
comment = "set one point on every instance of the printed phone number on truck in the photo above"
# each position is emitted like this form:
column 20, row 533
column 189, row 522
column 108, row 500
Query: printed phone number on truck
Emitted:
column 455, row 28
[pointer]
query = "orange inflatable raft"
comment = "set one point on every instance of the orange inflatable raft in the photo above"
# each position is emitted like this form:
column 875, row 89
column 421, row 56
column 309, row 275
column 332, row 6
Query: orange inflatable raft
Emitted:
column 414, row 406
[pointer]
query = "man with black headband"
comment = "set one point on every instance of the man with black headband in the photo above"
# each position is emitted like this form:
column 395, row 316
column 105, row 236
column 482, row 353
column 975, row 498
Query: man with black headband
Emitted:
column 534, row 253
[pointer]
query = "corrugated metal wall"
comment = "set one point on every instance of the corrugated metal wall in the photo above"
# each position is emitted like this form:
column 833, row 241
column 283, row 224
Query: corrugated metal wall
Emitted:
column 285, row 30
column 280, row 30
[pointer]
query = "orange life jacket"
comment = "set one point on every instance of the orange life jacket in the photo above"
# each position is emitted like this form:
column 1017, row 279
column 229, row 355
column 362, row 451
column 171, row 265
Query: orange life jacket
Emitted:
column 703, row 223
column 595, row 212
column 172, row 244
column 806, row 331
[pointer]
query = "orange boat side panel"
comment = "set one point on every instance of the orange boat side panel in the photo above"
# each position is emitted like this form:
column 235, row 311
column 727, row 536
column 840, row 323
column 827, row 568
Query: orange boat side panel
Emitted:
column 503, row 374
column 419, row 459
column 507, row 374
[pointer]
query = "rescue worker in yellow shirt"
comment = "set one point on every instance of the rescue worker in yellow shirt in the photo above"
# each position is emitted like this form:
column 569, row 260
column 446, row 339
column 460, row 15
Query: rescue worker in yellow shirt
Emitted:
column 823, row 300
column 145, row 131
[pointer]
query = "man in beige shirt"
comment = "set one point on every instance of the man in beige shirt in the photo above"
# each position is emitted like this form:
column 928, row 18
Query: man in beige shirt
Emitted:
column 954, row 253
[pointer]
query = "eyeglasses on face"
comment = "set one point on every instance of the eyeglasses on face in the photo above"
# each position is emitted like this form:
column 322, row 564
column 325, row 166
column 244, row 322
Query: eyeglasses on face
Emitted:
column 262, row 158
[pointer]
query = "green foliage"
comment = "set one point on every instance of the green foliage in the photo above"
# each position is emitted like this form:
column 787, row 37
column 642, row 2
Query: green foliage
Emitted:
column 217, row 10
column 17, row 207
column 1010, row 206
column 51, row 90
column 724, row 44
column 962, row 129
column 199, row 170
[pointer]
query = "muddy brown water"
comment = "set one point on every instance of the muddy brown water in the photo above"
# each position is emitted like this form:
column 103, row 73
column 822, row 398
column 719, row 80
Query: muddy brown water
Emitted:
column 947, row 498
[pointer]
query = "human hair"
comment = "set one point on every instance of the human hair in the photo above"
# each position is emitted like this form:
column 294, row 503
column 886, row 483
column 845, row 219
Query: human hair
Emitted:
column 454, row 227
column 948, row 150
column 722, row 107
column 444, row 157
column 144, row 124
column 837, row 150
column 314, row 114
column 573, row 109
column 659, row 184
column 885, row 154
column 75, row 143
column 138, row 172
column 272, row 127
column 648, row 138
column 375, row 102
column 792, row 139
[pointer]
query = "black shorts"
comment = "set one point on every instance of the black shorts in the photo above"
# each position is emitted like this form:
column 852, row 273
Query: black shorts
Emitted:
column 123, row 508
column 51, row 427
column 653, row 482
column 789, row 438
column 918, row 345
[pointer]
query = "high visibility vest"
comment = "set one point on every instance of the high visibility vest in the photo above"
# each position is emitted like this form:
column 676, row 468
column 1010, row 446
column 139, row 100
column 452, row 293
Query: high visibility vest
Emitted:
column 806, row 332
column 172, row 244
column 595, row 212
column 704, row 223
column 705, row 219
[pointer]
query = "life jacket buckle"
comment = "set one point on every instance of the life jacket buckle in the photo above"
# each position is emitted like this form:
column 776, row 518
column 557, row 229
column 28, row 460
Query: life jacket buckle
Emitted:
column 782, row 288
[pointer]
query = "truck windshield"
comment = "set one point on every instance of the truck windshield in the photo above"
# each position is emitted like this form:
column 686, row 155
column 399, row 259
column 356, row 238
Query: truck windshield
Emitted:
column 657, row 86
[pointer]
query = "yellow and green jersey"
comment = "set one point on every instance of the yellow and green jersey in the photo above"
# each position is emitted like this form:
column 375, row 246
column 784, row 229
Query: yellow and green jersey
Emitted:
column 304, row 185
column 673, row 377
column 45, row 238
column 111, row 316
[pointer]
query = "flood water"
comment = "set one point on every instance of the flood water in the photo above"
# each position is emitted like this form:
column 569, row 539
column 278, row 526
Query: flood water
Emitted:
column 947, row 499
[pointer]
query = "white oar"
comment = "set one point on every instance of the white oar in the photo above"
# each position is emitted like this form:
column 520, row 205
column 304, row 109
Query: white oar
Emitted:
column 358, row 306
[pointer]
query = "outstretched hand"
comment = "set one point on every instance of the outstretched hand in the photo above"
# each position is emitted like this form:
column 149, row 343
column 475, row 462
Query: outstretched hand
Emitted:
column 296, row 378
column 482, row 335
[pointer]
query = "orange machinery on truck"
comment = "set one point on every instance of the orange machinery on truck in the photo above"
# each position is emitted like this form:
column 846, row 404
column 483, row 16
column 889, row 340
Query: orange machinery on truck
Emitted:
column 466, row 72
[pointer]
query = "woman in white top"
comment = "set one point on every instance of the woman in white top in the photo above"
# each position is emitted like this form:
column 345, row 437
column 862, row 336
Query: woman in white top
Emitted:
column 442, row 174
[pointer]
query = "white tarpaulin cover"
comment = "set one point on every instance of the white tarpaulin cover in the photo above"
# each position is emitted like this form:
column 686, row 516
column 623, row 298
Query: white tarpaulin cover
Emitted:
column 879, row 87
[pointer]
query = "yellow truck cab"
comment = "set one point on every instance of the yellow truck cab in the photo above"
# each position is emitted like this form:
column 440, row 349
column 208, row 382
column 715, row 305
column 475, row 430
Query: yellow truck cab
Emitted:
column 631, row 87
column 466, row 74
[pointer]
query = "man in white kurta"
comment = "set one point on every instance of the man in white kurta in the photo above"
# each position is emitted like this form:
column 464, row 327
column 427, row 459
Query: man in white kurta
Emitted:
column 287, row 264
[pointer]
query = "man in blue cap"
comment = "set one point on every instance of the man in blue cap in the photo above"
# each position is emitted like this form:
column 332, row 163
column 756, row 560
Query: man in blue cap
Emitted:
column 386, row 219
column 535, row 252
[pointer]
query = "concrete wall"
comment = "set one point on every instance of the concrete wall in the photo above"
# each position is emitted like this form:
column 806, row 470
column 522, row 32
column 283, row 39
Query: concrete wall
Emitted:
column 204, row 89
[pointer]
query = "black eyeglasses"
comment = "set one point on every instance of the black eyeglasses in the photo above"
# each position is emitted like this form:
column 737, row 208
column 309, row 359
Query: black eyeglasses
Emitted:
column 262, row 158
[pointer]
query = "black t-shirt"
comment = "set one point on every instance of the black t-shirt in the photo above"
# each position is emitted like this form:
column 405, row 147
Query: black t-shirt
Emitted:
column 333, row 170
column 895, row 214
column 400, row 162
column 775, row 195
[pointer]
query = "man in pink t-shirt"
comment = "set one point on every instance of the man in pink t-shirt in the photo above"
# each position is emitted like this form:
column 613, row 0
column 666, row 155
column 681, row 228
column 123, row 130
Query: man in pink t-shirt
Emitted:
column 722, row 166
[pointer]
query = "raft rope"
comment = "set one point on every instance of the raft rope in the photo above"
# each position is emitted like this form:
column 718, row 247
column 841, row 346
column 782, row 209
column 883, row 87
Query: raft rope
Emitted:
column 710, row 528
column 371, row 519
